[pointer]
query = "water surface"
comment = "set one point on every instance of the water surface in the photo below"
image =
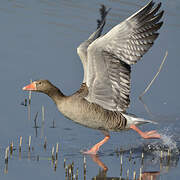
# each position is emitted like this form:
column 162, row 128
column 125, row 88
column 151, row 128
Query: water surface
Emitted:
column 38, row 39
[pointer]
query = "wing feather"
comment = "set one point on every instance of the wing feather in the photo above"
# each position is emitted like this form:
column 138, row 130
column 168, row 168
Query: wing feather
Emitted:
column 82, row 49
column 109, row 57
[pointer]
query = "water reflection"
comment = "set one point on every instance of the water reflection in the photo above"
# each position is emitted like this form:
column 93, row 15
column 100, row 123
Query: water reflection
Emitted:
column 145, row 162
column 143, row 176
column 150, row 160
column 96, row 159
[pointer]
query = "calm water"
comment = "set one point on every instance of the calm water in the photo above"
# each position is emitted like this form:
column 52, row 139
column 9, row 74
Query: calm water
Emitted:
column 38, row 39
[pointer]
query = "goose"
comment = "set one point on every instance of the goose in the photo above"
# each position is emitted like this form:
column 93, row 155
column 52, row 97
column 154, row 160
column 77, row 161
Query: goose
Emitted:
column 104, row 95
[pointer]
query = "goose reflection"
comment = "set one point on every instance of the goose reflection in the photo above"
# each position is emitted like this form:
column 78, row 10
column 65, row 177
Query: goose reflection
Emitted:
column 153, row 164
column 102, row 175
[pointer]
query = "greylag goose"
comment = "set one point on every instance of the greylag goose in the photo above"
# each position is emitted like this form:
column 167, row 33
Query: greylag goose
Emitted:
column 103, row 98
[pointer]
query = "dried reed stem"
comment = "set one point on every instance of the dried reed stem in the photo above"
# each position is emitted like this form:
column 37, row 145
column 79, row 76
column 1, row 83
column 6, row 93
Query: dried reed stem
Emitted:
column 30, row 94
column 142, row 158
column 43, row 118
column 55, row 165
column 29, row 104
column 57, row 148
column 77, row 174
column 42, row 114
column 29, row 144
column 45, row 143
column 52, row 154
column 6, row 154
column 140, row 97
column 128, row 174
column 66, row 173
column 140, row 174
column 64, row 162
column 84, row 167
column 72, row 168
column 35, row 120
column 130, row 155
column 20, row 143
column 121, row 164
column 134, row 175
column 11, row 148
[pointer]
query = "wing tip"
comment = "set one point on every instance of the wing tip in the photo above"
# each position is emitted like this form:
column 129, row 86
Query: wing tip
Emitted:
column 103, row 13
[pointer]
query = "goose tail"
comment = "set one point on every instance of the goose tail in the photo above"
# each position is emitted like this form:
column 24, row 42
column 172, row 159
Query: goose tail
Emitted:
column 132, row 119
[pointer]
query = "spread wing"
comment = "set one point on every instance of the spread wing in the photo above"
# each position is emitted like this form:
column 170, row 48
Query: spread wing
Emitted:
column 110, row 57
column 82, row 49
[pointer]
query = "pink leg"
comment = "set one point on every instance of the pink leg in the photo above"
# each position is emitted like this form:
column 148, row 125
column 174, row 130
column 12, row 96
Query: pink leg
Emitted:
column 96, row 147
column 146, row 135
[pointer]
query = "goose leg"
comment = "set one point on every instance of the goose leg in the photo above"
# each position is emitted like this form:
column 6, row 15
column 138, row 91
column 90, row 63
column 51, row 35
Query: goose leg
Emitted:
column 146, row 135
column 96, row 147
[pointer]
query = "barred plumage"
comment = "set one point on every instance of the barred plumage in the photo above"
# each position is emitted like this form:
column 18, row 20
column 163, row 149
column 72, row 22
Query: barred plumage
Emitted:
column 110, row 56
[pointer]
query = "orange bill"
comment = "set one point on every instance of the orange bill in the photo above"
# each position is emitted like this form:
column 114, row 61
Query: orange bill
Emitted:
column 30, row 87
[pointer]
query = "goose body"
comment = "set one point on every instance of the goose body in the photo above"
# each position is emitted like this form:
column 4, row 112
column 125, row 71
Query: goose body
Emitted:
column 91, row 115
column 103, row 97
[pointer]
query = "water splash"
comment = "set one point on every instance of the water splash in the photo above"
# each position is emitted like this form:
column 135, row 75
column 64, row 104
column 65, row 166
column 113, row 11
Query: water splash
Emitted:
column 166, row 144
column 168, row 140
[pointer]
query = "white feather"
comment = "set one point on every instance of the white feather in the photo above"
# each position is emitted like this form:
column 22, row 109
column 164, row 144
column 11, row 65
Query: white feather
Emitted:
column 131, row 119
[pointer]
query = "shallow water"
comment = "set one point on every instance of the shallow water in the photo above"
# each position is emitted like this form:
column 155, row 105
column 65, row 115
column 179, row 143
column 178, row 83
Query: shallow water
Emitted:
column 38, row 39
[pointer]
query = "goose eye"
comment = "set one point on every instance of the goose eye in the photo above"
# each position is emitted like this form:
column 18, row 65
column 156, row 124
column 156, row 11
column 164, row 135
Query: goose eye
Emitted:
column 40, row 83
